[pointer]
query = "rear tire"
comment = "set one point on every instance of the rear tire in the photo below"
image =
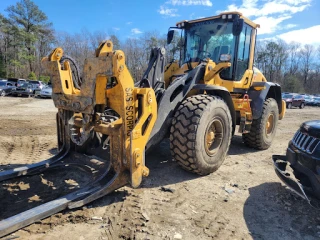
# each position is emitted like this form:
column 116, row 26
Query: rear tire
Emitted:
column 200, row 134
column 264, row 128
column 289, row 106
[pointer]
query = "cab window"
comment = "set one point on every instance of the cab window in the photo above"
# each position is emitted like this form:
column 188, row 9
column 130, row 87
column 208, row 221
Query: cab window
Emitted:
column 243, row 51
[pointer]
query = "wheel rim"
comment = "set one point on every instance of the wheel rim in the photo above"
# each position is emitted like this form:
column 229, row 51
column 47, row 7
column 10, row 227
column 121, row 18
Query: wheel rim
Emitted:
column 213, row 137
column 270, row 124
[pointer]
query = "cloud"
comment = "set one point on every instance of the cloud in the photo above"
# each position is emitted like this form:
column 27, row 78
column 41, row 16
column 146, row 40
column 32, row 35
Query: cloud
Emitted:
column 128, row 23
column 290, row 25
column 309, row 35
column 135, row 31
column 269, row 24
column 207, row 3
column 116, row 29
column 250, row 8
column 270, row 14
column 169, row 12
column 297, row 2
column 172, row 12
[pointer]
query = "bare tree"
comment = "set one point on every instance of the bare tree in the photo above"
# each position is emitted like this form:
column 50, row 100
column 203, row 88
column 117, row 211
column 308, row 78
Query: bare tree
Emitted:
column 293, row 58
column 306, row 60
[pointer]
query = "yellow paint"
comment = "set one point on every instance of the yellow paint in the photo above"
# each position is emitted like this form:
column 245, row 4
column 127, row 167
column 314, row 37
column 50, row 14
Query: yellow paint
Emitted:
column 283, row 112
column 127, row 141
column 170, row 69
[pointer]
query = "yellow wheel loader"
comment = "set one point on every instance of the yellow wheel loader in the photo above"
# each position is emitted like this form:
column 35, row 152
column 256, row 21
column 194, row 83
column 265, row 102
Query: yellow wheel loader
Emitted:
column 106, row 122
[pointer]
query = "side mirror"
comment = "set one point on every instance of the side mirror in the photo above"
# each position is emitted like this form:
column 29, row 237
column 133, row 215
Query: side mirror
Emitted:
column 237, row 26
column 170, row 36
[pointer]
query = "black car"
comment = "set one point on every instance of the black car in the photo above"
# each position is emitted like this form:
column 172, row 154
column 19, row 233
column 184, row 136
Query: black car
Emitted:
column 26, row 89
column 316, row 101
column 17, row 82
column 6, row 88
column 300, row 168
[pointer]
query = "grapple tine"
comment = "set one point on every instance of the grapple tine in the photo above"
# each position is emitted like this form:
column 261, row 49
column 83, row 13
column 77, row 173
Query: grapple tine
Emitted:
column 108, row 182
column 31, row 169
column 118, row 181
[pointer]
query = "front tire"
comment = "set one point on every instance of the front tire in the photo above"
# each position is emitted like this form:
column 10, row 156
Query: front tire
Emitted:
column 3, row 94
column 200, row 134
column 264, row 128
column 302, row 105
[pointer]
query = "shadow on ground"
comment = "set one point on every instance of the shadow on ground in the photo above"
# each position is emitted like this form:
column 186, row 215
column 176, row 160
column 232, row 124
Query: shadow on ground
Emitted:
column 237, row 147
column 163, row 169
column 272, row 211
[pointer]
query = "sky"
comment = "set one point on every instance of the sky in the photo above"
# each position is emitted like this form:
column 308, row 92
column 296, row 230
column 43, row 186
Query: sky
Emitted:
column 290, row 20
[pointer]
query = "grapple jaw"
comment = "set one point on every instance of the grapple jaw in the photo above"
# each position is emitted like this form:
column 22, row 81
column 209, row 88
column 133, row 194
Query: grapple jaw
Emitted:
column 101, row 116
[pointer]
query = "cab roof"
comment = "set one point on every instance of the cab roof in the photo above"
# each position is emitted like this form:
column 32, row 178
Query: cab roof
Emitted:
column 246, row 20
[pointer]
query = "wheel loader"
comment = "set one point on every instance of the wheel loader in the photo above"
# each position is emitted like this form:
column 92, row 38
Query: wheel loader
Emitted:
column 106, row 121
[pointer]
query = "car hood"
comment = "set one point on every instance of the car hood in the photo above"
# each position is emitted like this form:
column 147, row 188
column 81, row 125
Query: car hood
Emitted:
column 47, row 90
column 311, row 128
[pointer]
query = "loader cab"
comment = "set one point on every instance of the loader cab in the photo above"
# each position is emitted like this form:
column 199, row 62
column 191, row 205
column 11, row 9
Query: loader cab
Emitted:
column 226, row 36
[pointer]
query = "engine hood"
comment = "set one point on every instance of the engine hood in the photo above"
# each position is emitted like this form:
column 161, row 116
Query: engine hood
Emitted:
column 311, row 128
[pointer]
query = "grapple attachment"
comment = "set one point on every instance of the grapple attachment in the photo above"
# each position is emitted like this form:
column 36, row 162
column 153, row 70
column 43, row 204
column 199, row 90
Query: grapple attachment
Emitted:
column 103, row 125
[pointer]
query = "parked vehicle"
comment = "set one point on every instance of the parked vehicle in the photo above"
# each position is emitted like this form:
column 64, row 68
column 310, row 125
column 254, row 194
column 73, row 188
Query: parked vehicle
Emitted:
column 25, row 89
column 39, row 85
column 17, row 81
column 303, row 162
column 308, row 100
column 293, row 100
column 6, row 88
column 46, row 92
column 316, row 101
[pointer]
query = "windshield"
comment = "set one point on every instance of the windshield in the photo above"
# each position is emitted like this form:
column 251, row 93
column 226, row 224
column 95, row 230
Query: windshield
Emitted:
column 287, row 96
column 209, row 39
column 2, row 84
column 25, row 85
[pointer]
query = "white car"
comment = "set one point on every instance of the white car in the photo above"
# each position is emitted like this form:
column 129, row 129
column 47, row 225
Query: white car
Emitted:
column 46, row 92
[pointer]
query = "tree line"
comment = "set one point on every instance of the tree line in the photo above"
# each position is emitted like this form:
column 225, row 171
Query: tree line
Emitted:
column 295, row 66
column 26, row 36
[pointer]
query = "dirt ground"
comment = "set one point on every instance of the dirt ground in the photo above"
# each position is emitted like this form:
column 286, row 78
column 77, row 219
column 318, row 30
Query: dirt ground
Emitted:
column 242, row 200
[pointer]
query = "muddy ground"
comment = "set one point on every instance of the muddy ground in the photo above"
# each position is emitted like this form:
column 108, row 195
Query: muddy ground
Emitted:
column 242, row 200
